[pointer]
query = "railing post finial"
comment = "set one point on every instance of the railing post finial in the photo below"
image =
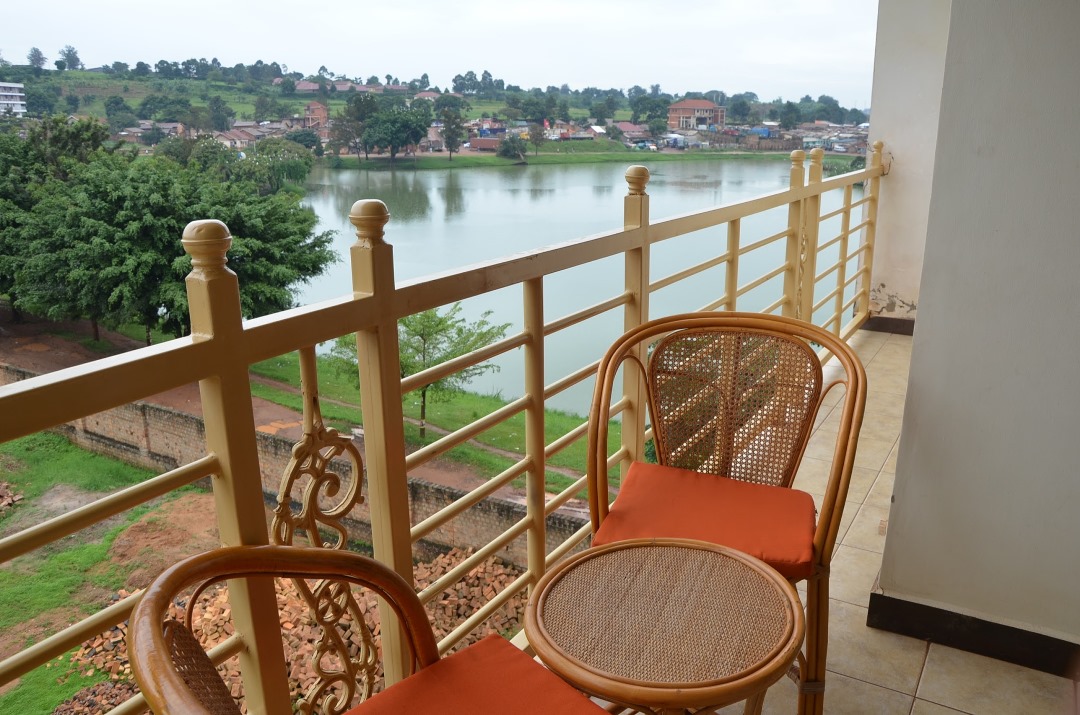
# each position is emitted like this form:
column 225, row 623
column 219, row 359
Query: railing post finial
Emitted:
column 797, row 158
column 637, row 177
column 207, row 241
column 369, row 216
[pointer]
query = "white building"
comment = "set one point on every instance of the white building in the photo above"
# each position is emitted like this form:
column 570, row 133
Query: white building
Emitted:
column 12, row 99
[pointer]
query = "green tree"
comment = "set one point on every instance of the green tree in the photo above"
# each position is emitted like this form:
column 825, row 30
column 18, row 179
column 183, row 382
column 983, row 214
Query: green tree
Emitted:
column 60, row 65
column 790, row 116
column 221, row 114
column 274, row 162
column 348, row 134
column 35, row 58
column 304, row 137
column 70, row 56
column 430, row 338
column 537, row 137
column 454, row 133
column 396, row 129
column 512, row 147
column 72, row 102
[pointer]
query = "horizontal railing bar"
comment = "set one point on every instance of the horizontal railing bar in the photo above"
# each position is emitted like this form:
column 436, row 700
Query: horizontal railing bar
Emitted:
column 489, row 549
column 619, row 455
column 831, row 242
column 751, row 247
column 849, row 302
column 842, row 210
column 591, row 312
column 570, row 380
column 566, row 440
column 463, row 434
column 484, row 612
column 39, row 403
column 830, row 296
column 743, row 290
column 713, row 305
column 687, row 272
column 859, row 202
column 470, row 499
column 698, row 220
column 58, row 527
column 567, row 546
column 433, row 291
column 831, row 269
column 438, row 372
column 858, row 227
column 135, row 704
column 285, row 332
column 59, row 643
column 774, row 305
column 560, row 499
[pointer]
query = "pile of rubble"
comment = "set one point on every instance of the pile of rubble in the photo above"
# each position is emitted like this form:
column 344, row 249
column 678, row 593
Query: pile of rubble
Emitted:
column 107, row 653
column 8, row 498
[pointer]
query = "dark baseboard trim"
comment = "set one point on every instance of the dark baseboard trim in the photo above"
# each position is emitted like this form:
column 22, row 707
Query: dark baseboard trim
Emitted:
column 994, row 640
column 882, row 324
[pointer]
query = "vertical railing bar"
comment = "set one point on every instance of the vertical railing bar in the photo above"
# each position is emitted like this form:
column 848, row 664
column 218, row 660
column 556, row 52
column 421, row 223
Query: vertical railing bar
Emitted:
column 811, row 230
column 862, row 306
column 731, row 276
column 214, row 306
column 792, row 277
column 841, row 273
column 535, row 487
column 636, row 312
column 379, row 364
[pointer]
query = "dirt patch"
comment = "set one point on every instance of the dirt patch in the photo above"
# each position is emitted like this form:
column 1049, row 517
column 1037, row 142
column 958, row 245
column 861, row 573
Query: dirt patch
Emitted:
column 177, row 529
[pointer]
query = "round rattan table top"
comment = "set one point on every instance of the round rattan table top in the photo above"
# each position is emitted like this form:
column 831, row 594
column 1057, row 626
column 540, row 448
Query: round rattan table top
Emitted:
column 666, row 623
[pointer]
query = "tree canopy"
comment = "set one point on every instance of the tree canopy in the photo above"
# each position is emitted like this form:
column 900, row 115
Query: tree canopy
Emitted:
column 88, row 233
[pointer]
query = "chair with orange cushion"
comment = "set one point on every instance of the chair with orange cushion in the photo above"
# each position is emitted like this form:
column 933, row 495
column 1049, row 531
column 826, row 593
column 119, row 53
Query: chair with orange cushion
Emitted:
column 491, row 676
column 732, row 399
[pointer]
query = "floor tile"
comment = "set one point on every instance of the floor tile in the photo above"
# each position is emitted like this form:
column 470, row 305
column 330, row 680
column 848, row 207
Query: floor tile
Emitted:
column 925, row 707
column 890, row 463
column 870, row 655
column 880, row 495
column 848, row 696
column 854, row 572
column 813, row 477
column 983, row 686
column 866, row 531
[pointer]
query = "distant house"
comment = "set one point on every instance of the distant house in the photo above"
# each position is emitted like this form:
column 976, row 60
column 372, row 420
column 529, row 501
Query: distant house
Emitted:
column 305, row 87
column 632, row 132
column 485, row 143
column 12, row 98
column 695, row 114
column 428, row 95
column 316, row 116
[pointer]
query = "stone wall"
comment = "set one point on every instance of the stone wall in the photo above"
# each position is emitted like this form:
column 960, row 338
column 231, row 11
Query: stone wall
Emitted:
column 160, row 438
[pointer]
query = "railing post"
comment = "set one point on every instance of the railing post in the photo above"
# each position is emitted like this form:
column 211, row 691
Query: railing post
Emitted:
column 214, row 306
column 535, row 441
column 811, row 218
column 380, row 400
column 731, row 271
column 795, row 235
column 635, row 215
column 862, row 300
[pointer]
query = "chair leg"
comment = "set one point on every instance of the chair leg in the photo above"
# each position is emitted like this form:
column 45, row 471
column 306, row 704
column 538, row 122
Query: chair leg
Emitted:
column 812, row 679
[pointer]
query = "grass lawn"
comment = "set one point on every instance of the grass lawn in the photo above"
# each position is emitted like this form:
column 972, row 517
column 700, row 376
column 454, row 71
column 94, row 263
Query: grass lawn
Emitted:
column 42, row 689
column 35, row 463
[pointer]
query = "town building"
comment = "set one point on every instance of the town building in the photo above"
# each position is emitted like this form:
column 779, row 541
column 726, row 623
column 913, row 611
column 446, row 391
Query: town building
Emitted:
column 695, row 114
column 12, row 99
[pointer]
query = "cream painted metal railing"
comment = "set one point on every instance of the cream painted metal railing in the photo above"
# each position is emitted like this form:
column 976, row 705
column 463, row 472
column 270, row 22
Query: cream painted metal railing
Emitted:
column 222, row 347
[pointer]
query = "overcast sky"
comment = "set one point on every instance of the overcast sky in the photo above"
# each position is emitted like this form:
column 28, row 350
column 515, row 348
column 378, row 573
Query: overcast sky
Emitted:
column 779, row 48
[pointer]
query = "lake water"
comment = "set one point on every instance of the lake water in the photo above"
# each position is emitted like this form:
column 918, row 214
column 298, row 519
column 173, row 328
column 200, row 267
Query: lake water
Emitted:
column 446, row 219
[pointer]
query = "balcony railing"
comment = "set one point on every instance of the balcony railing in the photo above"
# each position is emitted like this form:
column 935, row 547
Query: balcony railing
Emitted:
column 824, row 278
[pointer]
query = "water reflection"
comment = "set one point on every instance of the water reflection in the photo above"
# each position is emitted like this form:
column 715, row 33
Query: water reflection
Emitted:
column 453, row 195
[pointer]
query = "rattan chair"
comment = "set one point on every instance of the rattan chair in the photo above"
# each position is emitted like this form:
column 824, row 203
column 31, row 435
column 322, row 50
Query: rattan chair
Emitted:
column 491, row 676
column 732, row 399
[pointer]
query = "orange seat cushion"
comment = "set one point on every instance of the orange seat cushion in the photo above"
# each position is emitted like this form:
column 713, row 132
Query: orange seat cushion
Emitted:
column 774, row 524
column 492, row 677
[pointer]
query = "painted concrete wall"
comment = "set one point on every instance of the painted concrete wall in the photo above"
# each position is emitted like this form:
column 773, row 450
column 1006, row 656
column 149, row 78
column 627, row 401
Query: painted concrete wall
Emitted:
column 909, row 63
column 986, row 512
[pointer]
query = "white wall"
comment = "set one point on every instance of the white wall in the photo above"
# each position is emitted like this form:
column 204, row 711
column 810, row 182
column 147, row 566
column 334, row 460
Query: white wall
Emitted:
column 986, row 517
column 909, row 63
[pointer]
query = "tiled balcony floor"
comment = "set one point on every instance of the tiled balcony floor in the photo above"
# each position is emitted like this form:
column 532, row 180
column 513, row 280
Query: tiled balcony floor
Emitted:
column 873, row 671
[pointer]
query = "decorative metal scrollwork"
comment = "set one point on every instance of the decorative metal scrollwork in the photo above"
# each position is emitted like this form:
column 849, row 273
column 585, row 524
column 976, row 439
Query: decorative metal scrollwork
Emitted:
column 345, row 659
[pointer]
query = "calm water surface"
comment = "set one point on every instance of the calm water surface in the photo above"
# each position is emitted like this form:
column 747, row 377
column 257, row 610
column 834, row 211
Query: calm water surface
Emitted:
column 447, row 219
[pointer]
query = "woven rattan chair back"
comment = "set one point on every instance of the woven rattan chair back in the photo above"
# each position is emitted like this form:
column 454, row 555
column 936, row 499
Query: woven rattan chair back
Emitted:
column 733, row 402
column 197, row 670
column 177, row 676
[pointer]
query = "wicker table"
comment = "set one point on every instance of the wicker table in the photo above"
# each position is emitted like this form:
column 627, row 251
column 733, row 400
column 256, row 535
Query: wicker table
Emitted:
column 668, row 625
